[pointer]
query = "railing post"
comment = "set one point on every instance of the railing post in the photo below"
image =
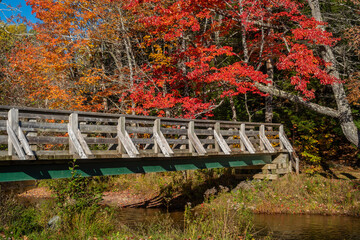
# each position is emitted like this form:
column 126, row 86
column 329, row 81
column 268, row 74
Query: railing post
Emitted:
column 156, row 129
column 16, row 138
column 77, row 143
column 217, row 130
column 191, row 131
column 262, row 147
column 242, row 131
column 73, row 122
column 281, row 129
column 13, row 123
column 121, row 129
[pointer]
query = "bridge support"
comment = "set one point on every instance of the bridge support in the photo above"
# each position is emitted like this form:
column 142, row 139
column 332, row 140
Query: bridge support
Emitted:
column 280, row 166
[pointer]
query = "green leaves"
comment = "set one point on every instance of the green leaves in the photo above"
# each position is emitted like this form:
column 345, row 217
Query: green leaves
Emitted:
column 76, row 193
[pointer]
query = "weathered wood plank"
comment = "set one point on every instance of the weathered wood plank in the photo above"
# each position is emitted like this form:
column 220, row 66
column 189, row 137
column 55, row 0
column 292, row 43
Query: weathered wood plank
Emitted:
column 76, row 146
column 24, row 143
column 3, row 139
column 15, row 143
column 194, row 141
column 99, row 140
column 125, row 140
column 220, row 140
column 160, row 140
column 44, row 116
column 265, row 140
column 284, row 140
column 43, row 126
column 83, row 143
column 174, row 131
column 141, row 130
column 207, row 141
column 13, row 125
column 47, row 140
column 87, row 128
column 3, row 123
column 245, row 139
column 142, row 140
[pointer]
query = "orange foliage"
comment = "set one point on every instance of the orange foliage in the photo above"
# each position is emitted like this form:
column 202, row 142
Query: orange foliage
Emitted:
column 58, row 67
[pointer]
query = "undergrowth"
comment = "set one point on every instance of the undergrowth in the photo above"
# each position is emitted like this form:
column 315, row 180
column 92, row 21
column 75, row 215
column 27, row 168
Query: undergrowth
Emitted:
column 223, row 213
column 301, row 194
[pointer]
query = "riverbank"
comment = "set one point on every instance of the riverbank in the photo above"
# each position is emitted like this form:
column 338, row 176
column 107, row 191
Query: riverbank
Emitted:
column 337, row 193
column 215, row 205
column 301, row 194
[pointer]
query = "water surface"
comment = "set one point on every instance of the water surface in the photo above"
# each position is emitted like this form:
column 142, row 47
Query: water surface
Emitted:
column 287, row 227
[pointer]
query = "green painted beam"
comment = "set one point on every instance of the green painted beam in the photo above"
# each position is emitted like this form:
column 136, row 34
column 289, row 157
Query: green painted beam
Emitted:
column 34, row 170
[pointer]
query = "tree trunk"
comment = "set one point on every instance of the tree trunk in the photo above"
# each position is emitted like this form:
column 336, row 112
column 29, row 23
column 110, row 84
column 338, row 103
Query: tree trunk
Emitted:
column 233, row 109
column 346, row 119
column 269, row 99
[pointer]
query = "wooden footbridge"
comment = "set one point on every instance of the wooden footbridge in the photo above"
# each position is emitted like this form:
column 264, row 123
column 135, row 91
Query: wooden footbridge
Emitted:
column 40, row 143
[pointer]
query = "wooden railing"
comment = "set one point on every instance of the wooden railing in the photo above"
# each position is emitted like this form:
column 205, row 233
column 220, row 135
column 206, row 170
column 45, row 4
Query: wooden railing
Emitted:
column 31, row 133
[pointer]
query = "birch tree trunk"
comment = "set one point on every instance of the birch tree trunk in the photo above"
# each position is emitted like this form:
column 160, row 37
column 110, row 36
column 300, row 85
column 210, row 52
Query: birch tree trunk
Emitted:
column 346, row 119
column 269, row 99
column 343, row 111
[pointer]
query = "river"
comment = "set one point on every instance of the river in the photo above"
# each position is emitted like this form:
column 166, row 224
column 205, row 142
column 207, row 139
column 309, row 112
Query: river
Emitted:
column 287, row 227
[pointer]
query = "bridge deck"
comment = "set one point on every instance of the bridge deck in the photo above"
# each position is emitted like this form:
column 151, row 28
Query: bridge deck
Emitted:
column 38, row 143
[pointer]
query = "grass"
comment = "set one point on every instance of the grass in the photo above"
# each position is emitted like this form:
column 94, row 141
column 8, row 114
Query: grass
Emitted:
column 214, row 221
column 301, row 194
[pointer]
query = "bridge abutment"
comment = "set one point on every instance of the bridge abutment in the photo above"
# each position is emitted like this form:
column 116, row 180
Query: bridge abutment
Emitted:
column 279, row 166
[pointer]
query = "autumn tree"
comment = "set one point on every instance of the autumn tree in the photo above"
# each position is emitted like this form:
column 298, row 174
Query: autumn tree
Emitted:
column 219, row 49
column 82, row 56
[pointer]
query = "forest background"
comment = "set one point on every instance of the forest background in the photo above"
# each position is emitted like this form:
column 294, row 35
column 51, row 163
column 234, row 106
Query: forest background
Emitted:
column 289, row 61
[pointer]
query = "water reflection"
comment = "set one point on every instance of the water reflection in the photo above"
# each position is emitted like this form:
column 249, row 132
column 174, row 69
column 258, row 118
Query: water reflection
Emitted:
column 309, row 226
column 287, row 227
